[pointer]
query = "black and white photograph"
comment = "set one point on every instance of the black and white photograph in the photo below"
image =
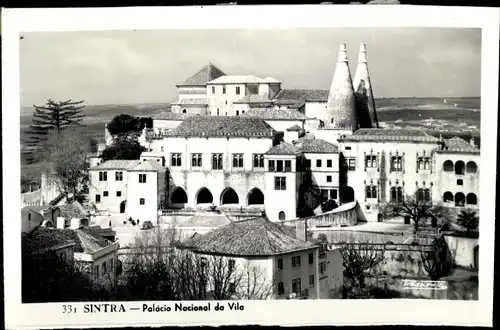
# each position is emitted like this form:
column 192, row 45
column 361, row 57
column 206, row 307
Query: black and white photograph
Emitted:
column 189, row 168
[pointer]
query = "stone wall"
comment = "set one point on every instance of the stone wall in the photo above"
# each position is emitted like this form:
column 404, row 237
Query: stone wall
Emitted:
column 463, row 250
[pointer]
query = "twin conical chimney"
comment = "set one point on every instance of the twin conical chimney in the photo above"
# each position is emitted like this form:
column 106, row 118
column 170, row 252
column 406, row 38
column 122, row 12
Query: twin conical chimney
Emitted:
column 341, row 105
column 365, row 104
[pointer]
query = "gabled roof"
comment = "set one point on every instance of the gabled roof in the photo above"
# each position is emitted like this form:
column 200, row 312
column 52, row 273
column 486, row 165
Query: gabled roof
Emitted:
column 302, row 95
column 116, row 164
column 283, row 149
column 294, row 128
column 253, row 237
column 86, row 240
column 42, row 240
column 148, row 166
column 254, row 98
column 458, row 145
column 222, row 126
column 171, row 116
column 275, row 114
column 383, row 134
column 316, row 146
column 204, row 75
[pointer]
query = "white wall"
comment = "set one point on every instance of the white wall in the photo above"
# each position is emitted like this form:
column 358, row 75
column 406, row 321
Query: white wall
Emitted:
column 281, row 200
column 163, row 125
column 315, row 110
column 30, row 220
column 319, row 174
column 112, row 201
column 462, row 249
column 224, row 102
column 148, row 191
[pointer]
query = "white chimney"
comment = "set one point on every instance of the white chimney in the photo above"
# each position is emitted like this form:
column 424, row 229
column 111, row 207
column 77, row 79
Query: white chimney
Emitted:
column 75, row 223
column 60, row 223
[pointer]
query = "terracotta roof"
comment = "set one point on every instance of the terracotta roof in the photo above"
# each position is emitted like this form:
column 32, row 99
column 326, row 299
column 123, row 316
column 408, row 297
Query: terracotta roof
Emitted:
column 302, row 95
column 192, row 101
column 148, row 166
column 206, row 220
column 204, row 75
column 31, row 197
column 73, row 210
column 316, row 146
column 86, row 240
column 283, row 149
column 458, row 145
column 254, row 98
column 117, row 164
column 275, row 114
column 212, row 126
column 171, row 116
column 294, row 128
column 382, row 134
column 43, row 240
column 253, row 237
column 240, row 79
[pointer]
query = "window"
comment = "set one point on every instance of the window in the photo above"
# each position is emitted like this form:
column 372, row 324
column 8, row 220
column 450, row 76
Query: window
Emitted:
column 280, row 183
column 103, row 269
column 322, row 267
column 311, row 281
column 231, row 264
column 371, row 191
column 460, row 182
column 223, row 89
column 97, row 199
column 111, row 265
column 103, row 176
column 175, row 160
column 396, row 195
column 288, row 165
column 118, row 193
column 162, row 149
column 184, row 111
column 281, row 216
column 196, row 160
column 328, row 178
column 142, row 178
column 237, row 111
column 296, row 286
column 237, row 160
column 281, row 288
column 226, row 104
column 217, row 111
column 142, row 201
column 237, row 90
column 272, row 166
column 396, row 164
column 311, row 258
column 29, row 216
column 258, row 161
column 423, row 195
column 371, row 161
column 280, row 263
column 333, row 194
column 424, row 163
column 217, row 161
column 279, row 166
column 213, row 89
column 347, row 148
column 351, row 165
column 119, row 176
column 105, row 193
column 96, row 271
column 318, row 162
column 296, row 261
column 329, row 163
column 308, row 163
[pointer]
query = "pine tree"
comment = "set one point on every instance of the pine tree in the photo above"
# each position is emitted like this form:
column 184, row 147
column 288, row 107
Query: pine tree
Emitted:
column 54, row 116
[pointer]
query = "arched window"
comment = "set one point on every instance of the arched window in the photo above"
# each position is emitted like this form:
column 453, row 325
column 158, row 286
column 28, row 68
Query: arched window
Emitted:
column 184, row 111
column 420, row 195
column 204, row 196
column 368, row 192
column 448, row 197
column 396, row 195
column 471, row 199
column 179, row 196
column 400, row 195
column 448, row 166
column 459, row 167
column 281, row 216
column 142, row 201
column 459, row 199
column 229, row 196
column 255, row 197
column 471, row 167
column 427, row 164
column 427, row 195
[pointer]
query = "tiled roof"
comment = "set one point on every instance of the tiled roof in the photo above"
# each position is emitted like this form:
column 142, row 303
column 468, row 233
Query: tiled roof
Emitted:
column 192, row 101
column 117, row 164
column 86, row 241
column 254, row 237
column 275, row 114
column 254, row 98
column 32, row 197
column 382, row 134
column 319, row 95
column 171, row 116
column 294, row 128
column 207, row 73
column 212, row 126
column 239, row 79
column 271, row 80
column 206, row 220
column 148, row 166
column 458, row 145
column 42, row 239
column 316, row 146
column 36, row 208
column 283, row 149
column 73, row 210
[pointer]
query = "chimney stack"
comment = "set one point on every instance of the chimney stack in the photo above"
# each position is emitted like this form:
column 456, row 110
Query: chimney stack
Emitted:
column 61, row 223
column 365, row 103
column 341, row 104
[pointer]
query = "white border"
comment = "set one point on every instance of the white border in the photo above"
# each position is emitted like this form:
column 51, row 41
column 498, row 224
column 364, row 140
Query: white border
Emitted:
column 347, row 312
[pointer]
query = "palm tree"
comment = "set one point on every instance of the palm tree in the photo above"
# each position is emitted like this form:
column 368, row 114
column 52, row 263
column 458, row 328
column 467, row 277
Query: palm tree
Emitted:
column 468, row 219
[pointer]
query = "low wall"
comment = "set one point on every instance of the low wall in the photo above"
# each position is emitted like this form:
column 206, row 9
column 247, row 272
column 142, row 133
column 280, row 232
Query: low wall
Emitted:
column 463, row 250
column 357, row 236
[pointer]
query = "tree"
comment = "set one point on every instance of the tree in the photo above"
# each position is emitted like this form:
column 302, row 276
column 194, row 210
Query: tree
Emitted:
column 54, row 116
column 124, row 124
column 359, row 258
column 437, row 262
column 123, row 148
column 65, row 160
column 468, row 219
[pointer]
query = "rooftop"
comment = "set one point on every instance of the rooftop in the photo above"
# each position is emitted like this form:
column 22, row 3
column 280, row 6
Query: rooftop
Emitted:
column 148, row 166
column 204, row 75
column 318, row 95
column 171, row 116
column 73, row 210
column 316, row 146
column 242, row 79
column 36, row 208
column 283, row 149
column 275, row 114
column 253, row 237
column 117, row 164
column 458, row 145
column 294, row 128
column 223, row 126
column 382, row 134
column 42, row 241
column 254, row 98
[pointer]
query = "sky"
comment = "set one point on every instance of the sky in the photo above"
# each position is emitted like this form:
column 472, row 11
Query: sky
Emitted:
column 123, row 67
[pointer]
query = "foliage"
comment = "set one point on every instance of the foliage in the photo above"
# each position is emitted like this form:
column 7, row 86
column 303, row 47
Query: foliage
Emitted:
column 438, row 262
column 359, row 258
column 126, row 124
column 123, row 148
column 468, row 219
column 329, row 205
column 278, row 138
